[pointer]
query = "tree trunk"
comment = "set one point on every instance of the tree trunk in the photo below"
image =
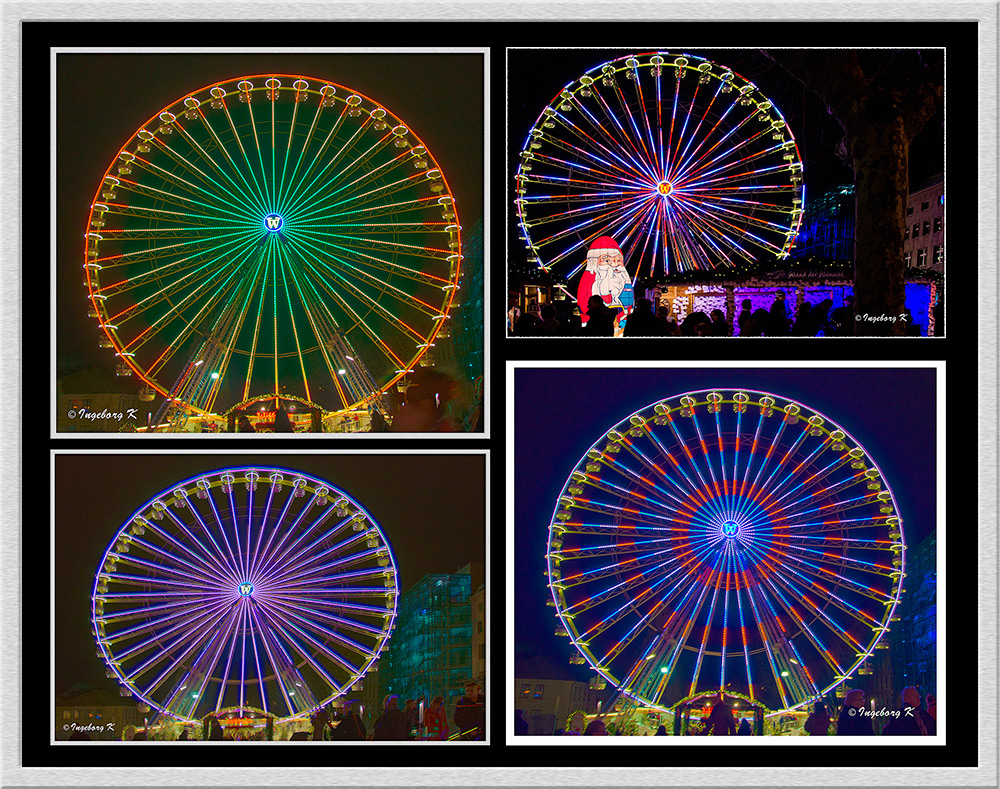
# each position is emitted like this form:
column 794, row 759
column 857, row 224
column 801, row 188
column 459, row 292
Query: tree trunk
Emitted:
column 878, row 143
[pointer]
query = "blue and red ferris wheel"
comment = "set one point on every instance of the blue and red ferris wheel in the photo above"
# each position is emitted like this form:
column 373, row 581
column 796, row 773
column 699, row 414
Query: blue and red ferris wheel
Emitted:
column 726, row 539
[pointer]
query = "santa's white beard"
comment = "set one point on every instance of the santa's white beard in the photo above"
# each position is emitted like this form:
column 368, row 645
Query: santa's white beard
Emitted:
column 610, row 282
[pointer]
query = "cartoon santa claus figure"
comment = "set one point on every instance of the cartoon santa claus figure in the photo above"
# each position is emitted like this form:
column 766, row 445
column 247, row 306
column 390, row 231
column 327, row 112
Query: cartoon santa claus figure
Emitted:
column 605, row 275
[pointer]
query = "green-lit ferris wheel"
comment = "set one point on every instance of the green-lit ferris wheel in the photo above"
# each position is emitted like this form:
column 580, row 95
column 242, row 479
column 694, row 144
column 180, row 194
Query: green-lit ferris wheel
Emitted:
column 271, row 234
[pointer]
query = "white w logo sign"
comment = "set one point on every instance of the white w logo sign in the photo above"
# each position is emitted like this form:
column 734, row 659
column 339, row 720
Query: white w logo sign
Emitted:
column 273, row 222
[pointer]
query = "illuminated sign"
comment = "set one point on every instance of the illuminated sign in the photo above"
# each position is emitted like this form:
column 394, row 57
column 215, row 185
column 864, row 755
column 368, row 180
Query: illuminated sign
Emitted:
column 273, row 223
column 246, row 589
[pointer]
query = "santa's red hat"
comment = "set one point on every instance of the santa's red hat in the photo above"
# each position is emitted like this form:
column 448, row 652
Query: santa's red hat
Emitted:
column 602, row 244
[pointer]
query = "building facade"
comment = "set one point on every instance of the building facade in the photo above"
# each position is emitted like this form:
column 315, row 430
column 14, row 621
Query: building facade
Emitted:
column 547, row 704
column 923, row 245
column 914, row 637
column 828, row 225
column 98, row 714
column 431, row 649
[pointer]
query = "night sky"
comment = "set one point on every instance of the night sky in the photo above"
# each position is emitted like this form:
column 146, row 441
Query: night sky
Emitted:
column 433, row 526
column 439, row 96
column 560, row 413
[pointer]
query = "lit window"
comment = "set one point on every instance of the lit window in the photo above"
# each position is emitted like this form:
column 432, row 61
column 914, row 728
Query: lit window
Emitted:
column 922, row 257
column 526, row 690
column 906, row 235
column 937, row 224
column 927, row 226
column 916, row 230
column 539, row 691
column 938, row 254
column 907, row 256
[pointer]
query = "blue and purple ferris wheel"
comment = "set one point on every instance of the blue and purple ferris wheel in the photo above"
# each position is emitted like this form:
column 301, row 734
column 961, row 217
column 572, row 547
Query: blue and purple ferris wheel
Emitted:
column 244, row 587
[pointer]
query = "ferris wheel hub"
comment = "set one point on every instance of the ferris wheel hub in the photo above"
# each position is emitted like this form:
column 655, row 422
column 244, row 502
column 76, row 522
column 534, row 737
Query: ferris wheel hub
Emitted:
column 665, row 188
column 273, row 223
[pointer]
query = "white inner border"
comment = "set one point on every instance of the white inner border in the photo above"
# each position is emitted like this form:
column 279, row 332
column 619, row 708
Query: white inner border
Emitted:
column 53, row 248
column 807, row 776
column 253, row 455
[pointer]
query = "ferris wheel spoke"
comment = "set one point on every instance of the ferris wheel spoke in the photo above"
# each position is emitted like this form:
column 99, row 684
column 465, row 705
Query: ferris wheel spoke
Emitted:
column 310, row 624
column 283, row 627
column 162, row 642
column 217, row 560
column 825, row 619
column 310, row 179
column 274, row 561
column 258, row 191
column 331, row 192
column 191, row 206
column 251, row 193
column 312, row 606
column 338, row 263
column 240, row 195
column 269, row 557
column 202, row 279
column 628, row 143
column 370, row 279
column 303, row 561
column 273, row 648
column 211, row 190
column 190, row 574
column 343, row 304
column 790, row 610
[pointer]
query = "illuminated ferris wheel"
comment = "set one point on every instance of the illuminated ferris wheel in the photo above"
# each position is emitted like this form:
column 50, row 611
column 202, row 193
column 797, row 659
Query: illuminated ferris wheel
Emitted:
column 685, row 163
column 245, row 586
column 272, row 234
column 726, row 539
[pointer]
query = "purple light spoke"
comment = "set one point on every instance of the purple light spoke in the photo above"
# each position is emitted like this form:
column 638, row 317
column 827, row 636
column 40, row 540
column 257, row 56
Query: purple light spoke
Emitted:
column 270, row 559
column 259, row 558
column 236, row 531
column 256, row 659
column 243, row 655
column 263, row 528
column 294, row 569
column 206, row 553
column 222, row 531
column 185, row 612
column 237, row 614
column 348, row 623
column 322, row 517
column 280, row 626
column 200, row 632
column 166, row 570
column 264, row 634
column 152, row 548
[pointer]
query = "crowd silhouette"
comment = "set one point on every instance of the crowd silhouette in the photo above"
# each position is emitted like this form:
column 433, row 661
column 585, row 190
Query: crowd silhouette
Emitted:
column 561, row 318
column 854, row 719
